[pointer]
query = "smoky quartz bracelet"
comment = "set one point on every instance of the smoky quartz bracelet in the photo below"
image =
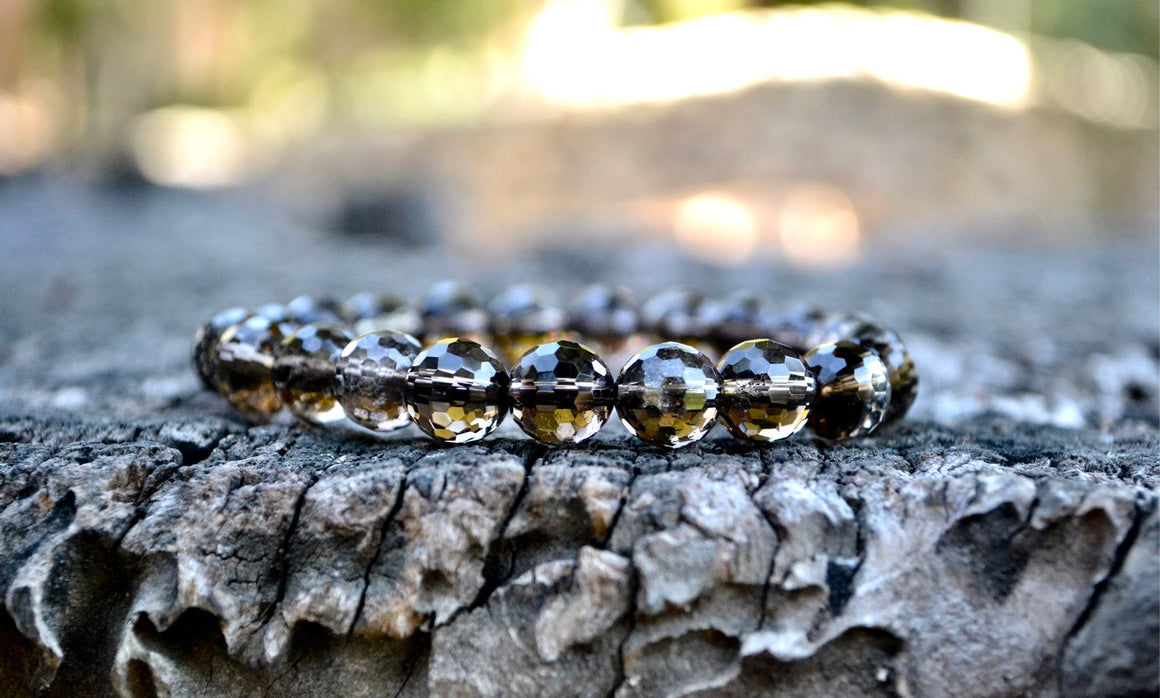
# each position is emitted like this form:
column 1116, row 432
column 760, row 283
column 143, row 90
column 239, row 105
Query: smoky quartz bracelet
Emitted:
column 778, row 371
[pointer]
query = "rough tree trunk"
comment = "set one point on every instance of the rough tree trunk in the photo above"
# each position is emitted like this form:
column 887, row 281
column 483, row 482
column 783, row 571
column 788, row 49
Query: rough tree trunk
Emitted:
column 1003, row 541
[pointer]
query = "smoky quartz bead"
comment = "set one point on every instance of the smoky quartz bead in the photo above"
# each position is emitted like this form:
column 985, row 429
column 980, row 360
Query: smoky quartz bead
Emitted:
column 523, row 317
column 792, row 324
column 740, row 316
column 370, row 376
column 667, row 395
column 853, row 390
column 456, row 391
column 206, row 343
column 900, row 368
column 304, row 372
column 369, row 312
column 243, row 373
column 453, row 310
column 561, row 393
column 305, row 310
column 766, row 390
column 607, row 320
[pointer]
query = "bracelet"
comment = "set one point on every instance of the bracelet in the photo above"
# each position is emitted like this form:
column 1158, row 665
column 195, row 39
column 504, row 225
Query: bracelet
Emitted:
column 360, row 360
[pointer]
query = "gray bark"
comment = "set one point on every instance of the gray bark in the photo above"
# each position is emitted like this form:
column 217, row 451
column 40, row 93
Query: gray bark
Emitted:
column 1002, row 541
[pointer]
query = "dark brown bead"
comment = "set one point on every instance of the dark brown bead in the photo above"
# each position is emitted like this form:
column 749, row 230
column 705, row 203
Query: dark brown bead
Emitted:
column 304, row 372
column 453, row 310
column 523, row 317
column 900, row 366
column 457, row 391
column 370, row 377
column 766, row 390
column 607, row 320
column 853, row 390
column 305, row 310
column 206, row 344
column 244, row 370
column 667, row 395
column 561, row 393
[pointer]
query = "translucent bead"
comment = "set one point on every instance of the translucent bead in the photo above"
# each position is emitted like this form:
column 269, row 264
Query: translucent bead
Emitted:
column 206, row 344
column 457, row 391
column 607, row 320
column 305, row 310
column 736, row 318
column 766, row 390
column 792, row 325
column 368, row 312
column 304, row 372
column 680, row 315
column 245, row 365
column 523, row 317
column 667, row 395
column 453, row 310
column 561, row 393
column 834, row 327
column 853, row 390
column 370, row 377
column 900, row 366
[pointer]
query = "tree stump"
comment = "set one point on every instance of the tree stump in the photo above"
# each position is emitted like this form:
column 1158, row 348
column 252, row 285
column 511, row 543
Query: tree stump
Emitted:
column 1002, row 541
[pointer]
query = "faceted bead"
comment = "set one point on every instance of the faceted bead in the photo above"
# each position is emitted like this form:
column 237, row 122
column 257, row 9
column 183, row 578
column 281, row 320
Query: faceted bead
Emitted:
column 245, row 365
column 370, row 377
column 792, row 325
column 304, row 372
column 678, row 314
column 607, row 320
column 561, row 393
column 900, row 366
column 853, row 390
column 667, row 395
column 206, row 344
column 766, row 390
column 736, row 318
column 305, row 310
column 834, row 327
column 453, row 310
column 457, row 391
column 368, row 312
column 523, row 317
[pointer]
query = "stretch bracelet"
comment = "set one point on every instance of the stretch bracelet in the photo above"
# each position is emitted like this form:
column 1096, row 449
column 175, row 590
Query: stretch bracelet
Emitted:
column 779, row 369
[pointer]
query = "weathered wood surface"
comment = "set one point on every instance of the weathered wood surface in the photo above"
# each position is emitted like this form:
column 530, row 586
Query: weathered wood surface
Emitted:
column 1003, row 541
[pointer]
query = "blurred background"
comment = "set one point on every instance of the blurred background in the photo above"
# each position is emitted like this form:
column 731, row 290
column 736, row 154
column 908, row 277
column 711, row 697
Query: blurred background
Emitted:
column 732, row 129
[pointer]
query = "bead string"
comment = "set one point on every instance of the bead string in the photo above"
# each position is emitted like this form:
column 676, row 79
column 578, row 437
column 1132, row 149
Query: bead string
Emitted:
column 842, row 375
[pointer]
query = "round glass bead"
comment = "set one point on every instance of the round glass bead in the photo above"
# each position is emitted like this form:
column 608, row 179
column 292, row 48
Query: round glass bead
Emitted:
column 667, row 395
column 243, row 373
column 679, row 314
column 304, row 372
column 523, row 317
column 456, row 391
column 561, row 393
column 305, row 310
column 900, row 368
column 834, row 327
column 607, row 320
column 766, row 390
column 673, row 313
column 368, row 312
column 792, row 325
column 736, row 318
column 453, row 310
column 369, row 378
column 206, row 344
column 853, row 390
